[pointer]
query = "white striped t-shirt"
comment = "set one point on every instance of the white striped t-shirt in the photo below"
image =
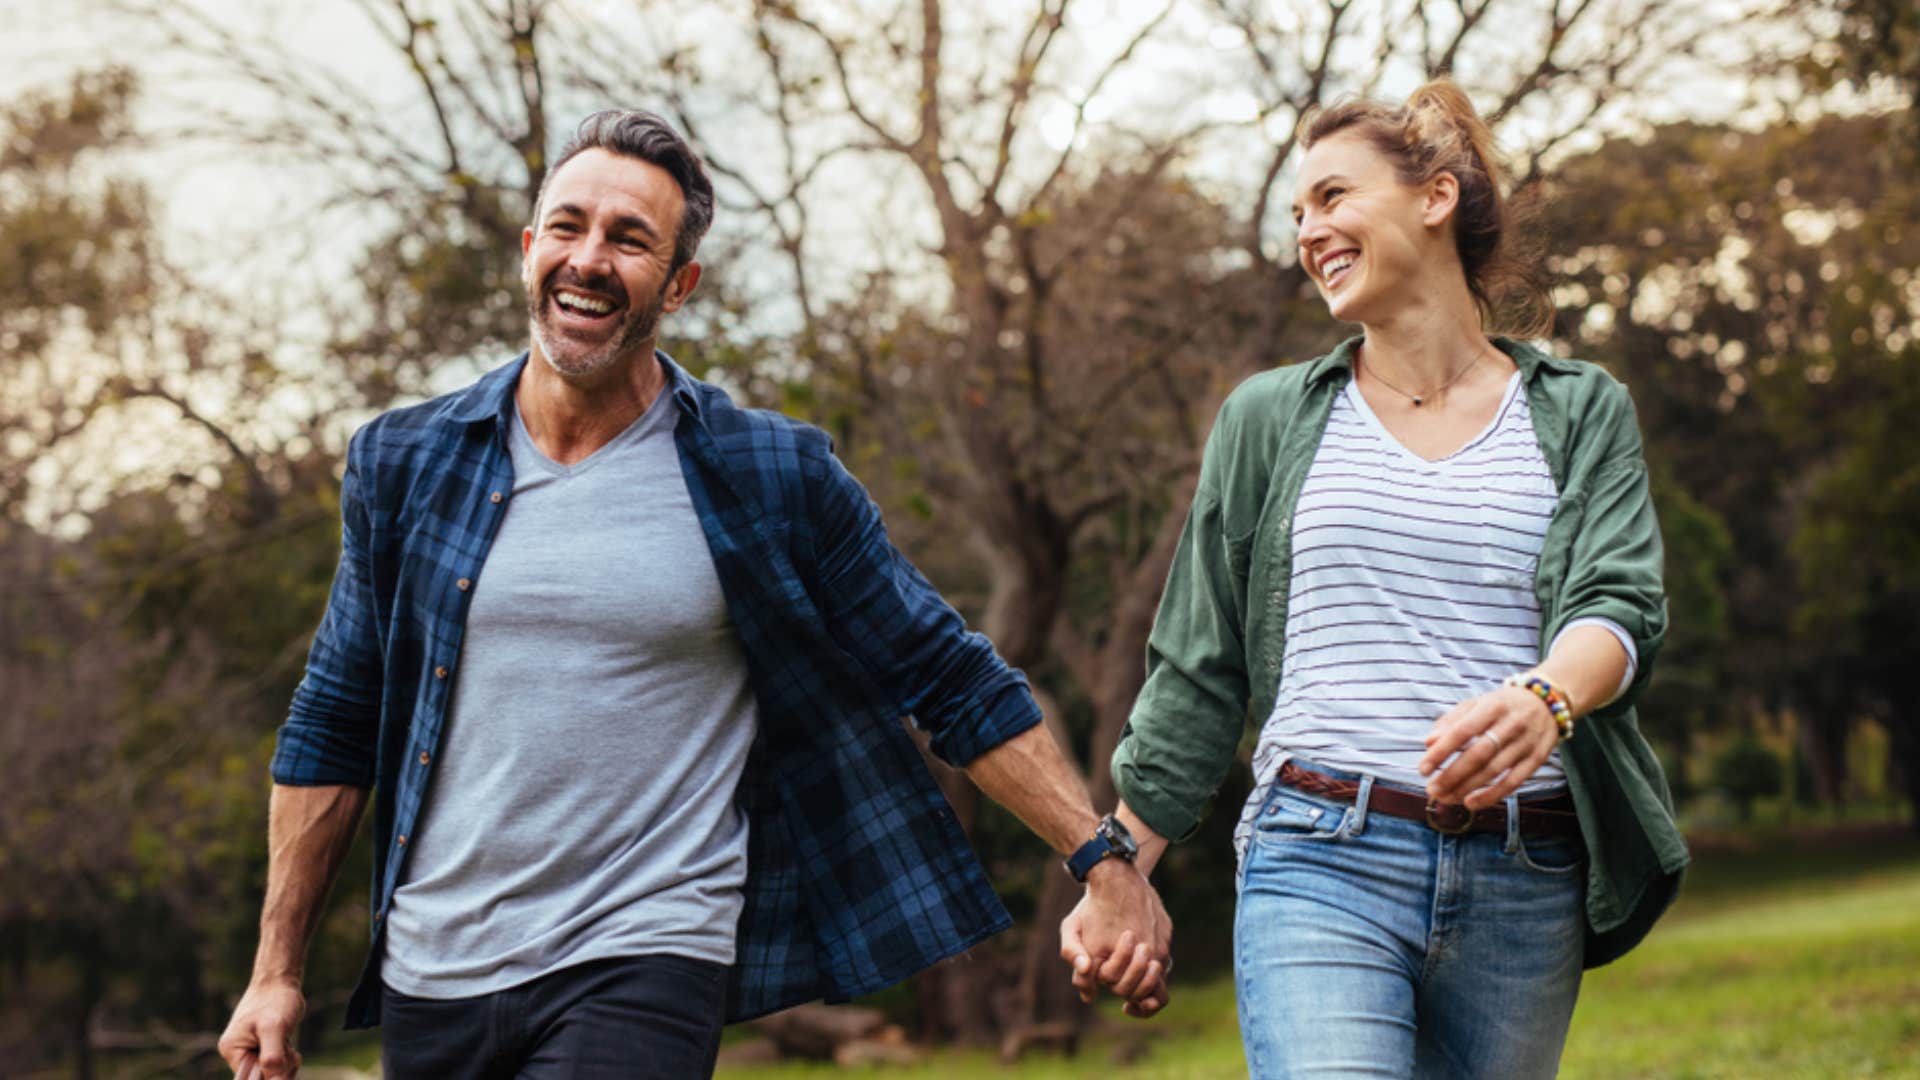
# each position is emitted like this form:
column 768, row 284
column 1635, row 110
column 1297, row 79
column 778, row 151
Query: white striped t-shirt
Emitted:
column 1412, row 590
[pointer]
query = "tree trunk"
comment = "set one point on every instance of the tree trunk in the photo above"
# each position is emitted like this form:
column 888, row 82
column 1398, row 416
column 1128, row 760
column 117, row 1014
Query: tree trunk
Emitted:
column 1112, row 677
column 92, row 990
column 1823, row 742
column 1903, row 731
column 967, row 1001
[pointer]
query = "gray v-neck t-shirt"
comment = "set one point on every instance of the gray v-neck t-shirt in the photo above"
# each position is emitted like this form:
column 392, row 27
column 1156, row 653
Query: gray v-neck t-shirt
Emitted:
column 582, row 805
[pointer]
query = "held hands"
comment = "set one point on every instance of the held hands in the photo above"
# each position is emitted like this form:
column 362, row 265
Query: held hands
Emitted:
column 1119, row 937
column 258, row 1043
column 1501, row 738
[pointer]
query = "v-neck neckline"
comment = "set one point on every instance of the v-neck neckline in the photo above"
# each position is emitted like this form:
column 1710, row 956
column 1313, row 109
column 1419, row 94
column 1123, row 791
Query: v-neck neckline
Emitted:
column 1373, row 422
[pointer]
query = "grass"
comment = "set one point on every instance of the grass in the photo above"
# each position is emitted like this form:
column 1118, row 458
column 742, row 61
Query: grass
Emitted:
column 1790, row 954
column 1196, row 1038
column 1784, row 960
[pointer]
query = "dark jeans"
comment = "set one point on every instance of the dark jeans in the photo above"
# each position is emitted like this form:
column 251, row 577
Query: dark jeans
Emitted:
column 641, row 1016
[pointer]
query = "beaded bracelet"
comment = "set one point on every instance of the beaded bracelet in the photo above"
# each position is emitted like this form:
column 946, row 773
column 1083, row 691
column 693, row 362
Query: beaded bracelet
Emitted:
column 1556, row 700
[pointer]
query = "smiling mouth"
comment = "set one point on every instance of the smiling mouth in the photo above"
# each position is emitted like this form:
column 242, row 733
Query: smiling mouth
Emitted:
column 583, row 305
column 1335, row 270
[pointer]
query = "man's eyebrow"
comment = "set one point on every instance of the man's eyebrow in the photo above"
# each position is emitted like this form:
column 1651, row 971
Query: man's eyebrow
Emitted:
column 637, row 224
column 1330, row 178
column 622, row 223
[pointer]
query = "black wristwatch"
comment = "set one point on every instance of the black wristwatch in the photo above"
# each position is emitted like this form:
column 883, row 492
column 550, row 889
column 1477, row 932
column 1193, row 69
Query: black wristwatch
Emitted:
column 1111, row 840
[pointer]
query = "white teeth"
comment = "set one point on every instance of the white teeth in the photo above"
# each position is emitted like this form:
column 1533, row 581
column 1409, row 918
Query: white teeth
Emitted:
column 1337, row 264
column 583, row 303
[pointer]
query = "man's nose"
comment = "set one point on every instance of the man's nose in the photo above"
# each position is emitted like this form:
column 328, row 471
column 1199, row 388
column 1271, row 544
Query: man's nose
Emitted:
column 593, row 254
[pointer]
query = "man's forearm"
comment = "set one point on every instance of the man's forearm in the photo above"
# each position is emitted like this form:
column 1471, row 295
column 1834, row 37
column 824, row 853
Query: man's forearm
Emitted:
column 1029, row 775
column 309, row 830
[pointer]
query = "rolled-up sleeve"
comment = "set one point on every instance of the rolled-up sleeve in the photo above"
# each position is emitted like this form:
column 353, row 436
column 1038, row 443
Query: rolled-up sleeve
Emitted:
column 1616, row 567
column 917, row 649
column 331, row 732
column 1186, row 723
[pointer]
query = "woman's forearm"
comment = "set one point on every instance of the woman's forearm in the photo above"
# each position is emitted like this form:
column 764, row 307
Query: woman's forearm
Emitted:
column 1152, row 845
column 1587, row 664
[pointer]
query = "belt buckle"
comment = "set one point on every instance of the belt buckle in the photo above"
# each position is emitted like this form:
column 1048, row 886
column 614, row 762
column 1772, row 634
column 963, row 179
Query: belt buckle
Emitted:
column 1448, row 812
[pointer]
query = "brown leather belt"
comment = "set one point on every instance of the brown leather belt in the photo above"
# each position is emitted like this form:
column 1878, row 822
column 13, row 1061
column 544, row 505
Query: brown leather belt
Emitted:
column 1551, row 816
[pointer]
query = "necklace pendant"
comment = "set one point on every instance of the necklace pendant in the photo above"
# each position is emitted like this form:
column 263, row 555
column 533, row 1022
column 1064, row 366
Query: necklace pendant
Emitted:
column 1417, row 402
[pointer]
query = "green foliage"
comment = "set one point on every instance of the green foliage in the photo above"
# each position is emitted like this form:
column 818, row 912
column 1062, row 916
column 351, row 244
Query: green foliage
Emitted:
column 1879, row 41
column 1762, row 304
column 1746, row 770
column 1690, row 694
column 145, row 663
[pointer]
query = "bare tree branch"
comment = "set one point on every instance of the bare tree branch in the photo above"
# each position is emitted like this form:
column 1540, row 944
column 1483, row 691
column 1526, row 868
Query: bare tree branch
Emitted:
column 1041, row 32
column 1113, row 65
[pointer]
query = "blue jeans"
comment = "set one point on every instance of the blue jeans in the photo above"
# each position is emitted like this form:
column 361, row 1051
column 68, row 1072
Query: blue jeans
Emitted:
column 653, row 1016
column 1369, row 945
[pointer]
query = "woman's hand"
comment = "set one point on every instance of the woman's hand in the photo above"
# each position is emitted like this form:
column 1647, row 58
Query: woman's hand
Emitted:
column 1500, row 737
column 1098, row 940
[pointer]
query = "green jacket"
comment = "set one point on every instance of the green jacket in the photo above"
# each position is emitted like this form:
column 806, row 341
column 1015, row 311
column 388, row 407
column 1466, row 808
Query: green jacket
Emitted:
column 1213, row 659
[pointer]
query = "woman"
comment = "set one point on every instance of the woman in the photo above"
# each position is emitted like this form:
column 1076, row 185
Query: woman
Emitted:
column 1427, row 565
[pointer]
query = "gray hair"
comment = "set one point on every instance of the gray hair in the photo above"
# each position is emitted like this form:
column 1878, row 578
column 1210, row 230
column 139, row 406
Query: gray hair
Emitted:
column 636, row 133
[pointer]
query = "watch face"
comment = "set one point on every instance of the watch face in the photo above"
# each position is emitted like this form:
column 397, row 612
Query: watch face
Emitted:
column 1117, row 835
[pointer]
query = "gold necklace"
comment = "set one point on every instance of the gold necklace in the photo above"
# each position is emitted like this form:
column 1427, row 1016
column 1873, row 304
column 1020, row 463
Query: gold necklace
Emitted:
column 1421, row 399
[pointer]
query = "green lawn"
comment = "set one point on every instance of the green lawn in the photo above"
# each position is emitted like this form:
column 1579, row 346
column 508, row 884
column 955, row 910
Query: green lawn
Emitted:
column 1782, row 963
column 1787, row 956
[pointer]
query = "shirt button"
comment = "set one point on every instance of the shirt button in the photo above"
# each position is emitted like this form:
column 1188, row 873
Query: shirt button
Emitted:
column 440, row 672
column 463, row 584
column 425, row 757
column 495, row 497
column 402, row 841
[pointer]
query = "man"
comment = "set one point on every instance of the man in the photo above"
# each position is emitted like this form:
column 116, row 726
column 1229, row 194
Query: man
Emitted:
column 623, row 664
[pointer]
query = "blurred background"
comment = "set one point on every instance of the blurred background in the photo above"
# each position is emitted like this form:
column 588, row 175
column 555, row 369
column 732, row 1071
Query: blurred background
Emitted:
column 1012, row 254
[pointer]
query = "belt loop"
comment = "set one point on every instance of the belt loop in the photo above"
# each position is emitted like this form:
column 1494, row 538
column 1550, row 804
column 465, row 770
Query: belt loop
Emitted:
column 1513, row 824
column 1360, row 800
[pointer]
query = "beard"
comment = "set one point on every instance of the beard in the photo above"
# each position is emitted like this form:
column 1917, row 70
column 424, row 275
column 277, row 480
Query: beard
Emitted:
column 575, row 359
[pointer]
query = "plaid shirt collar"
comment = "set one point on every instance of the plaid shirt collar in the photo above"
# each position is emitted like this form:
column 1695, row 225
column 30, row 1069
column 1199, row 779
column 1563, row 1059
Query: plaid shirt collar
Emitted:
column 491, row 398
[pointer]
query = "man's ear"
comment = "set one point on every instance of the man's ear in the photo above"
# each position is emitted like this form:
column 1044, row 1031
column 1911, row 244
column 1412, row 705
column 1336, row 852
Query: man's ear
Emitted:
column 680, row 286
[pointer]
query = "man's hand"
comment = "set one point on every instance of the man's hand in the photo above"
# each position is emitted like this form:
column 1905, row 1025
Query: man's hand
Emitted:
column 259, row 1039
column 1119, row 936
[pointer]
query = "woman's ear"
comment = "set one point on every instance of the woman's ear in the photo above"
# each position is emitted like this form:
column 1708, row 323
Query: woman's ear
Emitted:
column 1443, row 197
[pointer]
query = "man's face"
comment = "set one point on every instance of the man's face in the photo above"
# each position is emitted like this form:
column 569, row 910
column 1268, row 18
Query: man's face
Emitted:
column 596, row 262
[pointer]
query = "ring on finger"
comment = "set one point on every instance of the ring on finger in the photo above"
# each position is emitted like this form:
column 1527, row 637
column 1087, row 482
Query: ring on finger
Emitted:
column 1494, row 736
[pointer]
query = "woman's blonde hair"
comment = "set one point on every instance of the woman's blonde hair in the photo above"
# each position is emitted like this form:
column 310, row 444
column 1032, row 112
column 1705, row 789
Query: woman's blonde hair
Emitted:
column 1438, row 131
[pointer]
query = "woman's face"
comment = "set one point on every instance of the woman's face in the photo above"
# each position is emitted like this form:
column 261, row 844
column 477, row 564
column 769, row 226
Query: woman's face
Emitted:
column 1365, row 237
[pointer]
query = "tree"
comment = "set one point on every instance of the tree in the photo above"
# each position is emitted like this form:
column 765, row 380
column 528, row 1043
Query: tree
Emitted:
column 1746, row 770
column 1879, row 41
column 1759, row 303
column 151, row 619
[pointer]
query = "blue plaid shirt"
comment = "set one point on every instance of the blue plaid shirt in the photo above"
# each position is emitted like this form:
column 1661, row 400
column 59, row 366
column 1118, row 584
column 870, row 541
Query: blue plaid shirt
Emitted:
column 858, row 873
